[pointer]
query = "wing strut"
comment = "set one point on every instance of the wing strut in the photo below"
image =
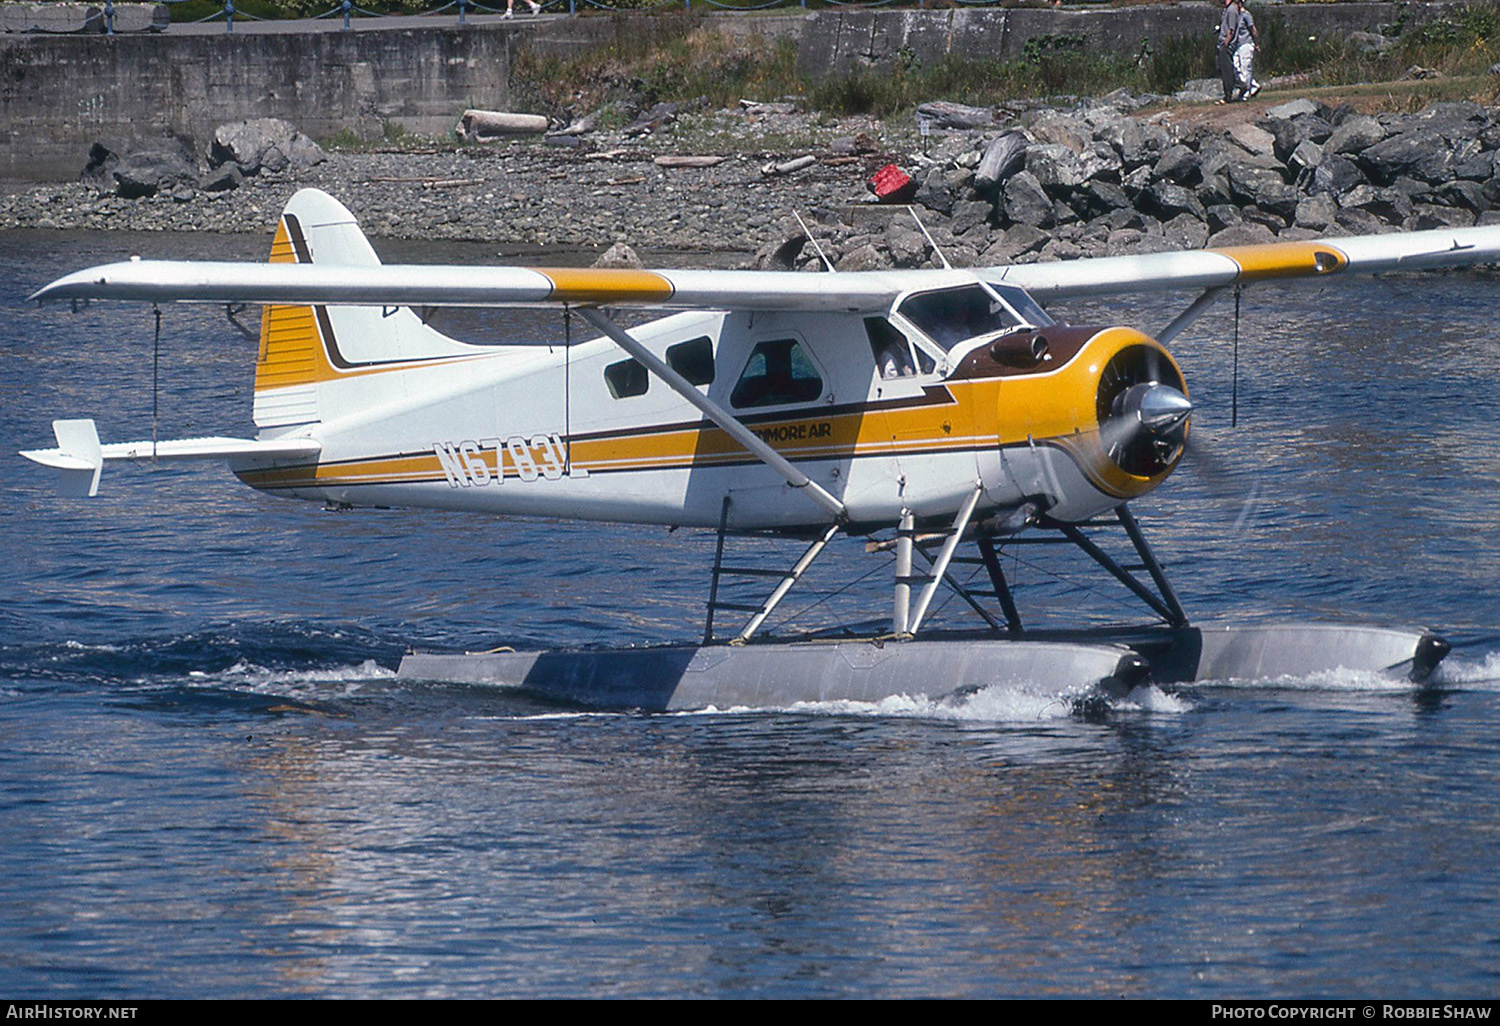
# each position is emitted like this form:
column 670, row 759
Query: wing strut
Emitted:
column 1191, row 314
column 714, row 412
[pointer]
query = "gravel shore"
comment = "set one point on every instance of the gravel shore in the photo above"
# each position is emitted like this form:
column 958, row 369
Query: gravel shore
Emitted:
column 526, row 192
column 1114, row 175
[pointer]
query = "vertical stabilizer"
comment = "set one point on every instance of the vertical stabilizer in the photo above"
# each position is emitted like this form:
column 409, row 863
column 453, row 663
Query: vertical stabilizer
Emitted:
column 293, row 355
column 319, row 362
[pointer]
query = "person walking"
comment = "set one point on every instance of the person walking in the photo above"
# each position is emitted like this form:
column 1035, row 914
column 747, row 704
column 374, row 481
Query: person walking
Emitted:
column 1224, row 49
column 1246, row 44
column 510, row 8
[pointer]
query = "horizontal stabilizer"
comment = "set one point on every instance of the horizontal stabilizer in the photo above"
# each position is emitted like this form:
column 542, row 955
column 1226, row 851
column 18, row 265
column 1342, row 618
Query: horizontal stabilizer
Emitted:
column 79, row 457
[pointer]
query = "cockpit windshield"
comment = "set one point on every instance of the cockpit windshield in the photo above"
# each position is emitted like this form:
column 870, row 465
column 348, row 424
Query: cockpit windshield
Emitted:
column 951, row 316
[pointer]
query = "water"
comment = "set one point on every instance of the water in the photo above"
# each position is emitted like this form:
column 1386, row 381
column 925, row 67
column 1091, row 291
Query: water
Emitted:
column 211, row 785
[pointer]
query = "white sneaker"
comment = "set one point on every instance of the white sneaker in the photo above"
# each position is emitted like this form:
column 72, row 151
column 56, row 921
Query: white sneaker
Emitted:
column 536, row 8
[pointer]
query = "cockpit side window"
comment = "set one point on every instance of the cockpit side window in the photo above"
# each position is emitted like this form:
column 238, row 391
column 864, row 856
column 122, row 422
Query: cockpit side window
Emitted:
column 777, row 372
column 950, row 316
column 893, row 352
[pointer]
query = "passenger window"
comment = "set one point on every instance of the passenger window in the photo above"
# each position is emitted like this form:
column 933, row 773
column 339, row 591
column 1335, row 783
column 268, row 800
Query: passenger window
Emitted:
column 694, row 360
column 627, row 378
column 778, row 372
column 891, row 350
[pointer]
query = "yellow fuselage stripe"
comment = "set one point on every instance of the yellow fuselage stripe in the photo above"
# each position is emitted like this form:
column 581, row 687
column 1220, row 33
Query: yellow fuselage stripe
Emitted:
column 969, row 415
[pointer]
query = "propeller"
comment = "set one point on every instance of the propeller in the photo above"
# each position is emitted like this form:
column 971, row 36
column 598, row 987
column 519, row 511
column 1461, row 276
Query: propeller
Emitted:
column 1143, row 411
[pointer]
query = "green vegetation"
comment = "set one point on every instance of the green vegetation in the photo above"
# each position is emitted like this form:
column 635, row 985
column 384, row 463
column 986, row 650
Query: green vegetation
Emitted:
column 677, row 58
column 684, row 57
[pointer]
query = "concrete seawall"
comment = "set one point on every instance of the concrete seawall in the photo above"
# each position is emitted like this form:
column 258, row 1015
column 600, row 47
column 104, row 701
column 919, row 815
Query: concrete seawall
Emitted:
column 59, row 93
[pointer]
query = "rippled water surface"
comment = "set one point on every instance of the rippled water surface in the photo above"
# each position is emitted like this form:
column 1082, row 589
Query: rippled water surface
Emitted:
column 211, row 785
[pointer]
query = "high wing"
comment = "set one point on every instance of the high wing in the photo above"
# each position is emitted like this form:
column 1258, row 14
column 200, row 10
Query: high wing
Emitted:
column 1236, row 265
column 160, row 281
column 329, row 274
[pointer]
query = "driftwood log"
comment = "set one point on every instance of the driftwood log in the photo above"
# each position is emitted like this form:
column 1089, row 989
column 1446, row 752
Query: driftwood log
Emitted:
column 479, row 125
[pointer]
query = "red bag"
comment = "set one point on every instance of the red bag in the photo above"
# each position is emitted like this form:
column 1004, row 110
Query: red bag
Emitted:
column 892, row 185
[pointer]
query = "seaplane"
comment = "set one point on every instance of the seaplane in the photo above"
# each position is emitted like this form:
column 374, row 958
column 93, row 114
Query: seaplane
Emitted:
column 939, row 415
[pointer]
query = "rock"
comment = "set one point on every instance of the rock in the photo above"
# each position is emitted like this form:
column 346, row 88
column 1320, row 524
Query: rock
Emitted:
column 224, row 178
column 147, row 171
column 1060, row 249
column 1253, row 139
column 1025, row 202
column 1200, row 90
column 783, row 254
column 942, row 114
column 1101, row 161
column 970, row 214
column 1264, row 188
column 1419, row 154
column 1185, row 231
column 1335, row 175
column 658, row 116
column 1097, row 197
column 136, row 168
column 1055, row 166
column 1017, row 241
column 1355, row 135
column 1291, row 109
column 1461, row 193
column 859, row 142
column 1062, row 130
column 1316, row 212
column 264, row 143
column 1369, row 42
column 1273, row 221
column 1123, row 241
column 620, row 255
column 1122, row 134
column 1243, row 234
column 1357, row 221
column 1427, row 216
column 1215, row 190
column 906, row 243
column 1180, row 164
column 1222, row 216
column 1306, row 157
column 1167, row 200
column 934, row 192
column 863, row 258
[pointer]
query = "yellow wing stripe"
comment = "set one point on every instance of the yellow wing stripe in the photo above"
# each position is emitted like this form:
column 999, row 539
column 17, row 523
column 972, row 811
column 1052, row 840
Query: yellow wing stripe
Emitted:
column 1285, row 259
column 607, row 285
